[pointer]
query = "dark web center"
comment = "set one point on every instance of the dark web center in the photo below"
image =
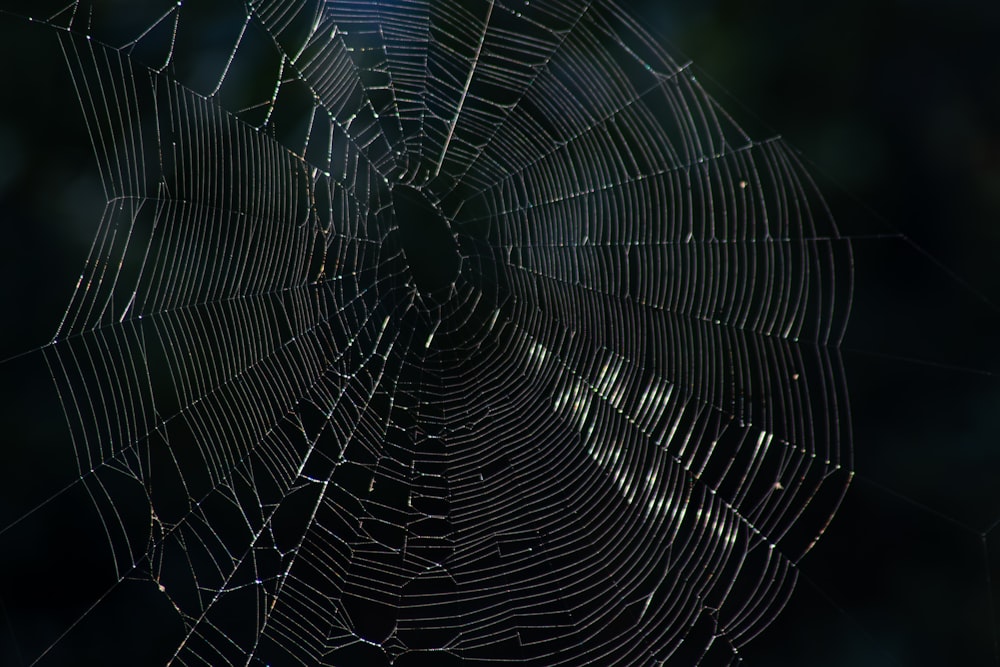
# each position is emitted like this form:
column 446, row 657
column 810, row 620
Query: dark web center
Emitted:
column 428, row 243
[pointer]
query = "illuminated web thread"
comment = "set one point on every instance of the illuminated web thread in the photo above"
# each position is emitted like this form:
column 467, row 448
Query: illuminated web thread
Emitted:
column 609, row 440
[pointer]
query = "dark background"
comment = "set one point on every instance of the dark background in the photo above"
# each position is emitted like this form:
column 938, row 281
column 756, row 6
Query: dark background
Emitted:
column 895, row 104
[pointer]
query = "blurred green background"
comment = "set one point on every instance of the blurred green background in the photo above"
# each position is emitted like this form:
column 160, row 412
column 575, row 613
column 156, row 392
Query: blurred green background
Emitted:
column 895, row 104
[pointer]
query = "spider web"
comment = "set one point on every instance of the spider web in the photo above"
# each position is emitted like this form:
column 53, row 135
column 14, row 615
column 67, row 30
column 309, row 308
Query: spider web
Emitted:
column 607, row 438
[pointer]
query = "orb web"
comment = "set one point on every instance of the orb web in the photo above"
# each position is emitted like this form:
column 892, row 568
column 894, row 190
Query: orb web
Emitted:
column 602, row 426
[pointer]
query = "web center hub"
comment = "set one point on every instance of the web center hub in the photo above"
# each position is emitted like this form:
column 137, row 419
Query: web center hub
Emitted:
column 428, row 243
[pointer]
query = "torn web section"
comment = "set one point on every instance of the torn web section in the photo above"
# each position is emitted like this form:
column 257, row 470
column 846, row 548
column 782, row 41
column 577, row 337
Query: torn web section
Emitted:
column 397, row 37
column 342, row 72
